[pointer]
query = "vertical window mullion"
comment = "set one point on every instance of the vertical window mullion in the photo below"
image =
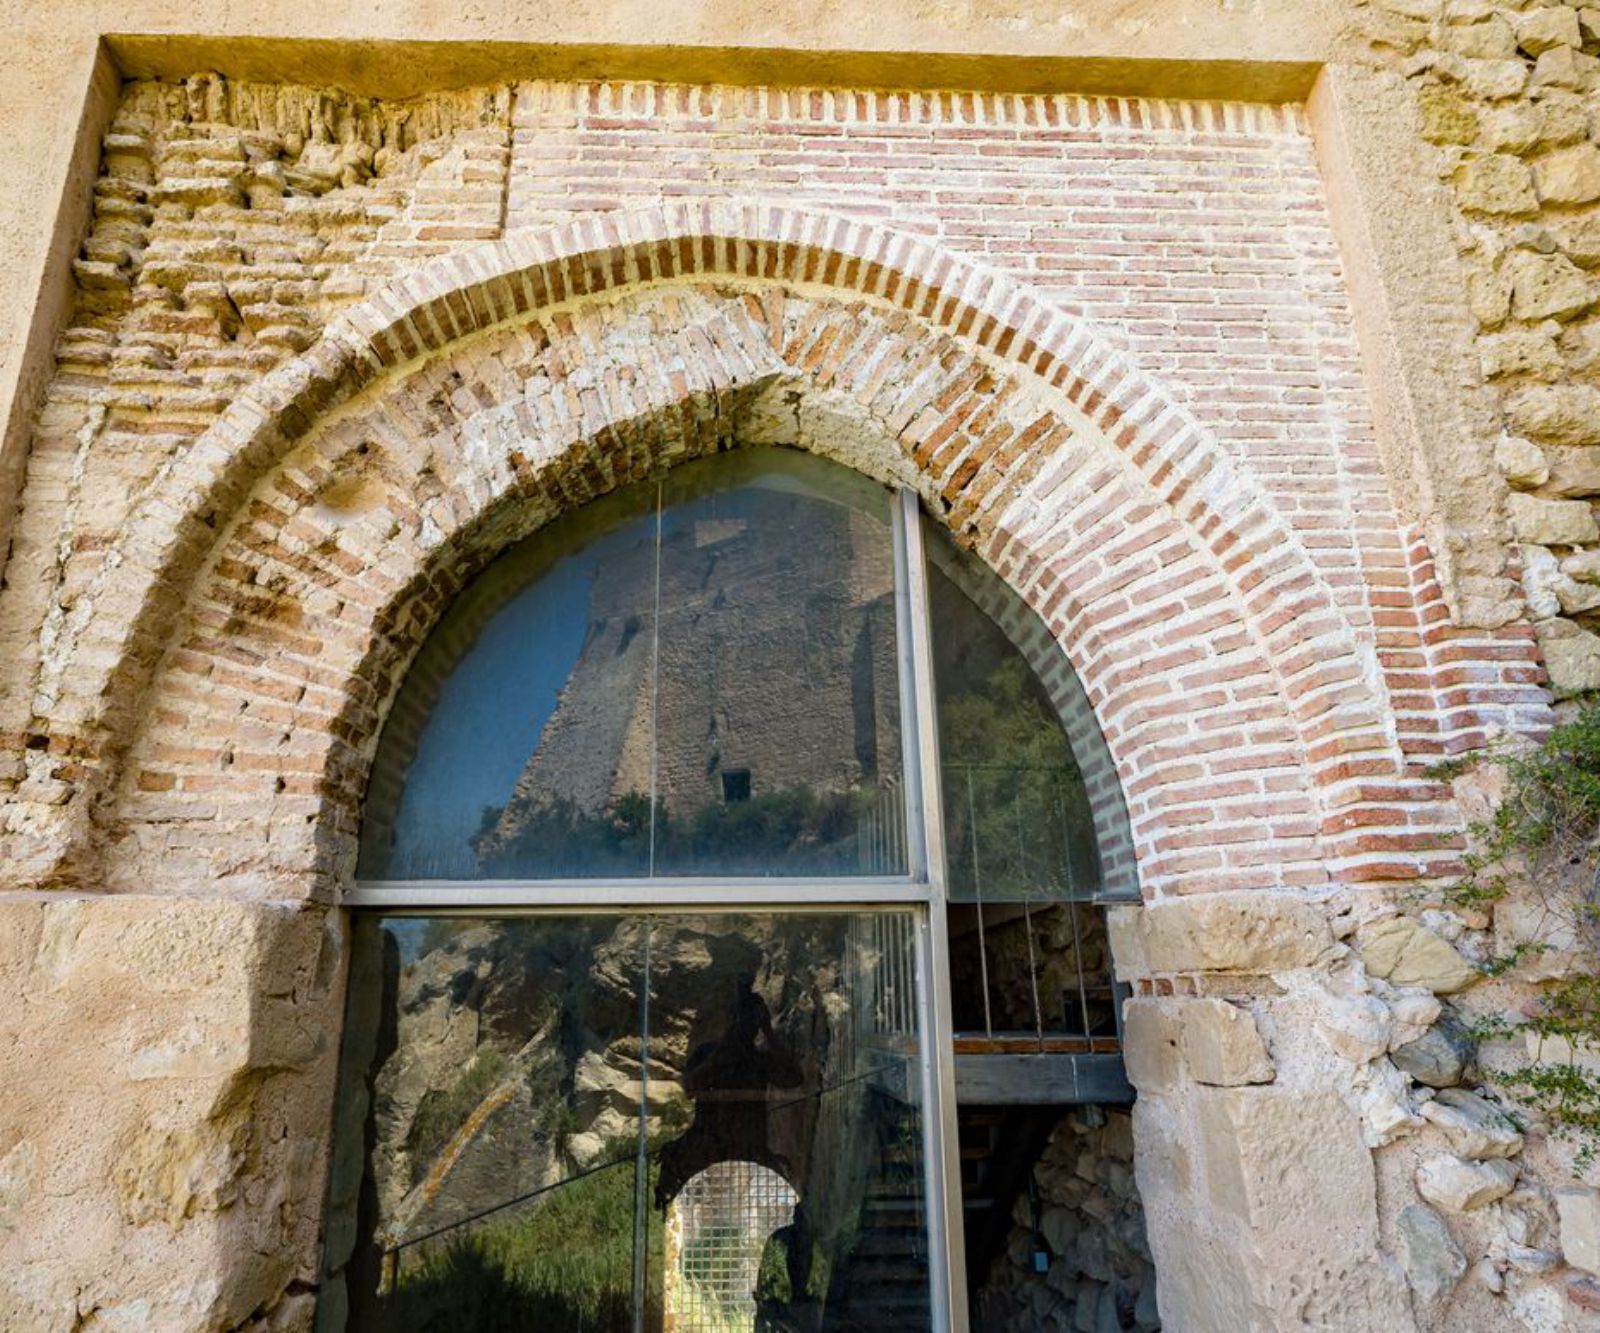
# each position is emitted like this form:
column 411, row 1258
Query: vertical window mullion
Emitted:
column 947, row 1249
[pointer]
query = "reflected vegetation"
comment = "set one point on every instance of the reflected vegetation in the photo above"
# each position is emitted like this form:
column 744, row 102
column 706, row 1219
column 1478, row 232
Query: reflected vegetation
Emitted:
column 515, row 1076
column 1018, row 821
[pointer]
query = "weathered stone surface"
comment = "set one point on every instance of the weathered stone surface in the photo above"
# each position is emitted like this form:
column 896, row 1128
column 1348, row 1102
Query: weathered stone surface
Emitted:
column 1583, row 1293
column 1562, row 67
column 1541, row 575
column 1247, row 931
column 1575, row 598
column 1531, row 352
column 1357, row 1026
column 1521, row 462
column 1476, row 1128
column 1447, row 117
column 1569, row 175
column 1552, row 522
column 172, row 1063
column 1432, row 1259
column 1222, row 1046
column 1497, row 184
column 1438, row 1058
column 1415, row 1009
column 1578, row 1208
column 1548, row 286
column 1488, row 297
column 1539, row 30
column 1557, row 414
column 1574, row 472
column 1494, row 80
column 1579, row 237
column 1458, row 1186
column 1151, row 1032
column 1571, row 656
column 1583, row 566
column 1406, row 953
column 1490, row 39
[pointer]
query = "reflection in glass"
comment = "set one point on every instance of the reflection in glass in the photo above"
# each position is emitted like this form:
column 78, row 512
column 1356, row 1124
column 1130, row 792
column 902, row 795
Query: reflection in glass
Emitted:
column 697, row 676
column 1018, row 818
column 707, row 1122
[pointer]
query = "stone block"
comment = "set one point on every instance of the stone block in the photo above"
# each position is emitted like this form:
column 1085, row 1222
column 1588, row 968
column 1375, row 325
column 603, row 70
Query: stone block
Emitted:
column 1432, row 1260
column 1151, row 1034
column 1579, row 237
column 1447, row 117
column 1438, row 1058
column 1458, row 1185
column 1488, row 297
column 1490, row 39
column 1222, row 1046
column 1563, row 67
column 1243, row 931
column 1540, row 30
column 1356, row 1026
column 1125, row 938
column 1287, row 1165
column 1531, row 352
column 1474, row 1127
column 1552, row 522
column 1497, row 184
column 1541, row 575
column 166, row 1102
column 1494, row 80
column 1554, row 1050
column 1548, row 286
column 1583, row 1293
column 1557, row 413
column 1406, row 953
column 1521, row 462
column 1568, row 175
column 1571, row 656
column 1578, row 1209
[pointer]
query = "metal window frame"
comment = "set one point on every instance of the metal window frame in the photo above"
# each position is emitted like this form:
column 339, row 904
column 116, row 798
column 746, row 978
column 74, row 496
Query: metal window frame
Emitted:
column 921, row 889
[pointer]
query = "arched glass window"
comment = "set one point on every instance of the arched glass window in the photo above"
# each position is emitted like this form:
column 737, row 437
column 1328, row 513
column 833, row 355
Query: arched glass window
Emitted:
column 698, row 677
column 738, row 829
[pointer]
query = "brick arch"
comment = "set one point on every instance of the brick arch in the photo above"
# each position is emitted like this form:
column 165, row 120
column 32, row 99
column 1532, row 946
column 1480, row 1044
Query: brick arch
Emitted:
column 1329, row 683
column 343, row 556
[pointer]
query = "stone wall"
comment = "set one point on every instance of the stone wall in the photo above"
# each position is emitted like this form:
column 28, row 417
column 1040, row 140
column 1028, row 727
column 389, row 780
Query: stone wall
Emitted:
column 1084, row 1217
column 167, row 1065
column 1506, row 94
column 1312, row 1049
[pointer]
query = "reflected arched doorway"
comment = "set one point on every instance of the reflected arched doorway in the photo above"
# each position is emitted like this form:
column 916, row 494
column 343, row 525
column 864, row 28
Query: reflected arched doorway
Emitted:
column 719, row 1229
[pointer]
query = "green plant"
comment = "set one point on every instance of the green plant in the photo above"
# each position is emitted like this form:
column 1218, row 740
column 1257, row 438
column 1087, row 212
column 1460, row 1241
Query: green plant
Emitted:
column 1543, row 841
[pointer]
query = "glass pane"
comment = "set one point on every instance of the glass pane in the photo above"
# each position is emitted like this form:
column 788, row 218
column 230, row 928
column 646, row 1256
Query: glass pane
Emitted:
column 793, row 1197
column 491, row 1079
column 778, row 700
column 1016, row 738
column 552, row 729
column 527, row 1139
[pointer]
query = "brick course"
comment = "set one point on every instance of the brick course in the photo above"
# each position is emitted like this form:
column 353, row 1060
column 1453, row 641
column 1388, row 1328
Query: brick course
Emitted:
column 1106, row 338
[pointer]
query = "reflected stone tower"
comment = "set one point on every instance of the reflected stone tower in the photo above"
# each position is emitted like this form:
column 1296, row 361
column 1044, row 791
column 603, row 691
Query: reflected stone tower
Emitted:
column 752, row 681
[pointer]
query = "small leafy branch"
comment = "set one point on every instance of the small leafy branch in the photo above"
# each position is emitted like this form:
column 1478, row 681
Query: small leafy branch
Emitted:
column 1543, row 841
